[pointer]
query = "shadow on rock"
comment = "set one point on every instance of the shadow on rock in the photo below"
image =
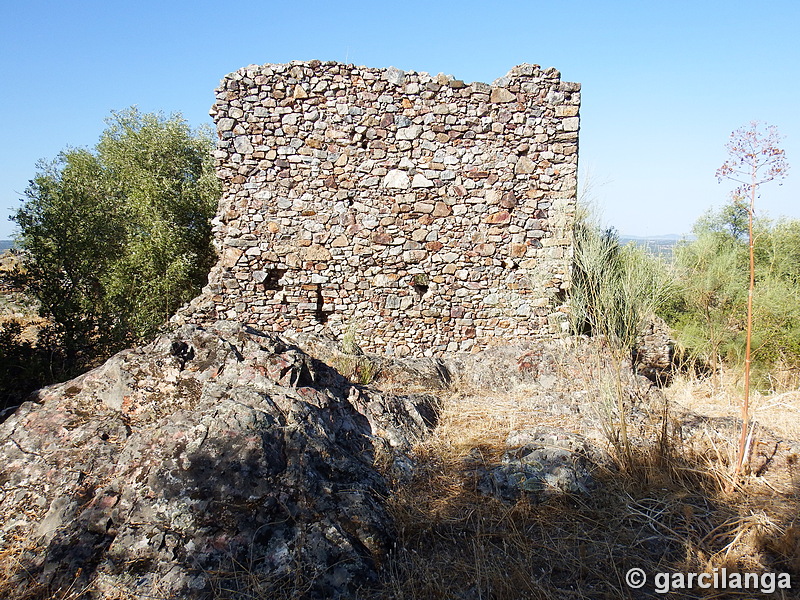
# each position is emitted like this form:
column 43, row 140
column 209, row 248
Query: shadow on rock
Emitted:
column 212, row 461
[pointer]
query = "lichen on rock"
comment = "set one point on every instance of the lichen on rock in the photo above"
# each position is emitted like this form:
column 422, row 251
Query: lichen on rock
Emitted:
column 174, row 467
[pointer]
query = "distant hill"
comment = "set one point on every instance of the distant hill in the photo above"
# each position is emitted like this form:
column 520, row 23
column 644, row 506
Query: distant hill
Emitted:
column 660, row 245
column 6, row 244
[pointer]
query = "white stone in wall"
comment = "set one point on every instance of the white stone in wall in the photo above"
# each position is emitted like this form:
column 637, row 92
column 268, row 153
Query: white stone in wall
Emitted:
column 397, row 179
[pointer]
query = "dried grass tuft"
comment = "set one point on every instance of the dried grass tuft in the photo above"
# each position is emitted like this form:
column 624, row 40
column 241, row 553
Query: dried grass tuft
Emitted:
column 667, row 512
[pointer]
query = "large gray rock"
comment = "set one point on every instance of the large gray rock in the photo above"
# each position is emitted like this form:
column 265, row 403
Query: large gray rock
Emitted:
column 543, row 462
column 209, row 457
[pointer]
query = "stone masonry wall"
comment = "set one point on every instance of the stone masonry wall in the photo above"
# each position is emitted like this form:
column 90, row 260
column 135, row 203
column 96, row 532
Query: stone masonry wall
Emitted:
column 421, row 213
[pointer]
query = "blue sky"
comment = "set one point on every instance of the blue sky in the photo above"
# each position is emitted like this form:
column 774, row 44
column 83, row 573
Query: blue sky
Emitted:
column 664, row 83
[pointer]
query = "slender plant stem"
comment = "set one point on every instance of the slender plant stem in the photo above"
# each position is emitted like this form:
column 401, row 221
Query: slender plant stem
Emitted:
column 750, row 150
column 746, row 400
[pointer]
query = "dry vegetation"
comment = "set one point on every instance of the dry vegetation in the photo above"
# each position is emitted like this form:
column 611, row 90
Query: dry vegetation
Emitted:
column 664, row 510
column 15, row 306
column 779, row 411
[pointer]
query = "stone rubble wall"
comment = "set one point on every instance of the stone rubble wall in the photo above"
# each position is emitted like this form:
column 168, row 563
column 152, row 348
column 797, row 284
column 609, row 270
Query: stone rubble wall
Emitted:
column 420, row 214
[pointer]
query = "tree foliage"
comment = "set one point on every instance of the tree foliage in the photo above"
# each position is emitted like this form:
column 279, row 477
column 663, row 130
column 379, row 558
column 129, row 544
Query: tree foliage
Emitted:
column 164, row 175
column 119, row 237
column 710, row 318
column 69, row 232
column 708, row 314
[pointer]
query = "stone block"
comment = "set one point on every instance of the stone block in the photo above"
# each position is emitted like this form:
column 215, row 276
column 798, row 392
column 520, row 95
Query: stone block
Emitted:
column 414, row 256
column 316, row 253
column 397, row 179
column 499, row 217
column 420, row 181
column 501, row 95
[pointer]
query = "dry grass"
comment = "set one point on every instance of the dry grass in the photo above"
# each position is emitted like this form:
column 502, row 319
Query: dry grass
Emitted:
column 471, row 421
column 12, row 561
column 359, row 369
column 15, row 305
column 778, row 411
column 667, row 512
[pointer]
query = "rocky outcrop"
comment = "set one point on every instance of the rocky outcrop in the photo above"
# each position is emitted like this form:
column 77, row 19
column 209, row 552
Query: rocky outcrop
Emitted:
column 211, row 456
column 542, row 462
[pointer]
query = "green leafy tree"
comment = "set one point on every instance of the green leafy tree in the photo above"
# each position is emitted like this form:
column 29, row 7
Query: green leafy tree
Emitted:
column 117, row 238
column 708, row 316
column 164, row 174
column 70, row 231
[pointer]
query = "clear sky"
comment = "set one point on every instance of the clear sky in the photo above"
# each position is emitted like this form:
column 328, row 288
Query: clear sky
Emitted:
column 664, row 83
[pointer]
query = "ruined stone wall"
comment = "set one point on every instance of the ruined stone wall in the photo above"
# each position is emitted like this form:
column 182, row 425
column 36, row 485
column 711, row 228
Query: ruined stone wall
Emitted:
column 421, row 213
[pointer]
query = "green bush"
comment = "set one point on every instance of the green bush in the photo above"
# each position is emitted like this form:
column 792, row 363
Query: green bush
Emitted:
column 710, row 315
column 117, row 238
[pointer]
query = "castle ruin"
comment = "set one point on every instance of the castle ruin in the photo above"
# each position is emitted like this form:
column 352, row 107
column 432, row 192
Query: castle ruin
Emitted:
column 425, row 214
